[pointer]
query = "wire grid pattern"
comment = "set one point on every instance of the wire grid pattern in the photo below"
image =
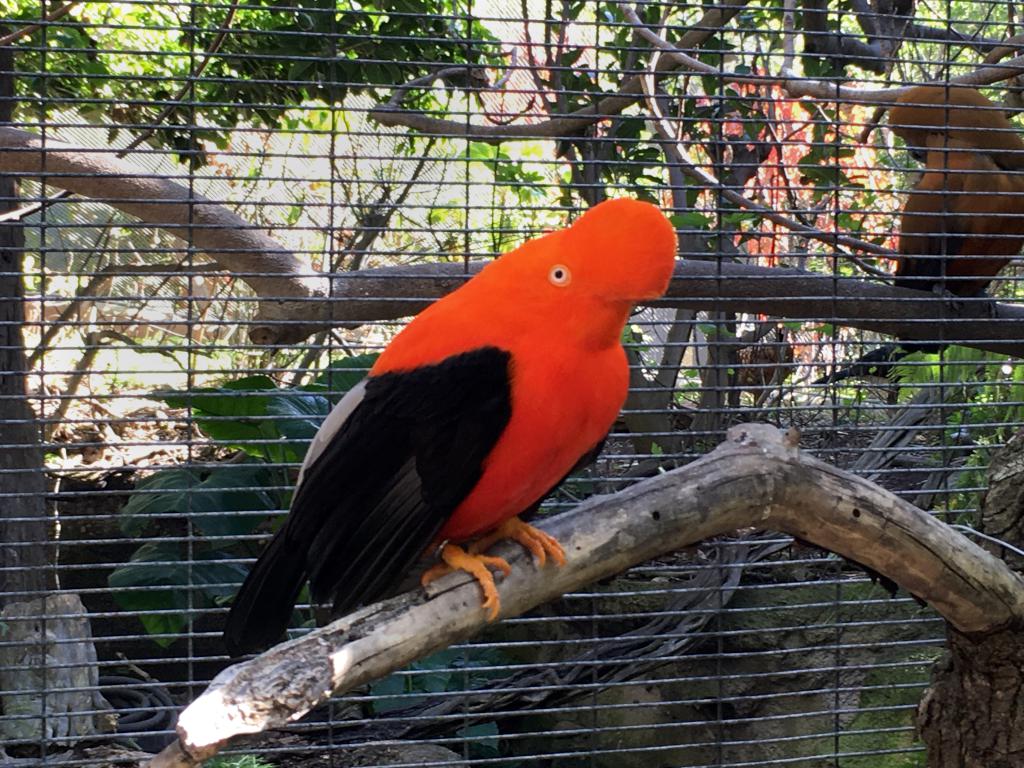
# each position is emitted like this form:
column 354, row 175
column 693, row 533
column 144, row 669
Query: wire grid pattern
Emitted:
column 169, row 423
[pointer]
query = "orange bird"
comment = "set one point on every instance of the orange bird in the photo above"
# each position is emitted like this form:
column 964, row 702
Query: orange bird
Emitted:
column 964, row 221
column 473, row 414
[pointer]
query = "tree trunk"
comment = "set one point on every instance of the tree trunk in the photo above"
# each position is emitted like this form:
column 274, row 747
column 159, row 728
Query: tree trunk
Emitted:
column 23, row 525
column 973, row 714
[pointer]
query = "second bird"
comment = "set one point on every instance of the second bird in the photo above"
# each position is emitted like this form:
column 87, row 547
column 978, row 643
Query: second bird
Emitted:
column 964, row 220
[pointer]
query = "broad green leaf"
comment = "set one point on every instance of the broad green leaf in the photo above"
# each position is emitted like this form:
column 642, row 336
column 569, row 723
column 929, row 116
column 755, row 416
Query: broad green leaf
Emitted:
column 158, row 494
column 341, row 375
column 208, row 578
column 214, row 500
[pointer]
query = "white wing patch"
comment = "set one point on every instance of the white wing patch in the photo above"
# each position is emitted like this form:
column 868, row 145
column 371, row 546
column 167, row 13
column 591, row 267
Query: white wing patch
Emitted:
column 334, row 421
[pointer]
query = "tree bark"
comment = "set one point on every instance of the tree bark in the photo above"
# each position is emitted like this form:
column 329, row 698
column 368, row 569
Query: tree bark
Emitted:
column 23, row 524
column 972, row 716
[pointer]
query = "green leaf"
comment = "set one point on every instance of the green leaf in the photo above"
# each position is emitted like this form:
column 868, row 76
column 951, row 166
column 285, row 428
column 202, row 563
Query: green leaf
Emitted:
column 207, row 577
column 216, row 579
column 691, row 220
column 153, row 564
column 217, row 503
column 163, row 611
column 157, row 494
column 297, row 417
column 341, row 375
column 213, row 500
column 229, row 414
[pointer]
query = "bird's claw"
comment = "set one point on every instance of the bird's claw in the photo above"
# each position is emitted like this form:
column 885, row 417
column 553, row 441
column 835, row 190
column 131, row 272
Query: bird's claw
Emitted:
column 472, row 560
column 455, row 558
column 538, row 543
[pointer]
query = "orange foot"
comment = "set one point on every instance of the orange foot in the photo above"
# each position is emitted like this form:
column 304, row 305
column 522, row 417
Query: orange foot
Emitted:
column 455, row 558
column 538, row 543
column 471, row 559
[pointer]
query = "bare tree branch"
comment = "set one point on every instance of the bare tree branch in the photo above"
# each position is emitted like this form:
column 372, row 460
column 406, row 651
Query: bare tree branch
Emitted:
column 274, row 272
column 51, row 17
column 757, row 478
column 392, row 292
column 391, row 113
column 294, row 303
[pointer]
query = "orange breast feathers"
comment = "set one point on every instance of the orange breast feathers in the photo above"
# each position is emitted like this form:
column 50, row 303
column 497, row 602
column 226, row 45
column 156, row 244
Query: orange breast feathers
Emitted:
column 964, row 220
column 558, row 305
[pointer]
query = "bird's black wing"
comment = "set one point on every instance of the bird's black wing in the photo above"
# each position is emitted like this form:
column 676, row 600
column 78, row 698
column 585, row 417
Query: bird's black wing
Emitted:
column 378, row 490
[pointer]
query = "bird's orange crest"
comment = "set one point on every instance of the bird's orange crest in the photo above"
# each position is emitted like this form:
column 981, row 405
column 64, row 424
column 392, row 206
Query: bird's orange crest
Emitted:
column 578, row 283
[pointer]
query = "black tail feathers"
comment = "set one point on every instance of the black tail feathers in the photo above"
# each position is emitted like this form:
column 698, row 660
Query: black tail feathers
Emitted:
column 263, row 606
column 879, row 362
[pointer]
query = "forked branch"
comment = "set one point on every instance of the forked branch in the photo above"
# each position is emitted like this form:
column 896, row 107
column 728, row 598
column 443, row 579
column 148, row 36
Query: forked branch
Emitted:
column 757, row 478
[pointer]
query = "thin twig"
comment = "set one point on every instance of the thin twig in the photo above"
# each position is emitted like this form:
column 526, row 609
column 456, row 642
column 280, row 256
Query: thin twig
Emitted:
column 51, row 17
column 179, row 97
column 97, row 283
column 788, row 35
column 176, row 101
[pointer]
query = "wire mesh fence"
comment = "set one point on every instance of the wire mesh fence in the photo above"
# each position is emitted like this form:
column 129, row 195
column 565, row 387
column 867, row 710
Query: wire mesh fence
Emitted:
column 215, row 215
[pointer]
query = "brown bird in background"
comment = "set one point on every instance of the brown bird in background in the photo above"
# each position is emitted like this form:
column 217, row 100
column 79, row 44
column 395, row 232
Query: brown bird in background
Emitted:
column 964, row 220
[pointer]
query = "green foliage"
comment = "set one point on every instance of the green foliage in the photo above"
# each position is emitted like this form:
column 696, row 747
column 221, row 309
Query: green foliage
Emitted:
column 238, row 761
column 163, row 581
column 273, row 58
column 522, row 181
column 445, row 671
column 253, row 415
column 208, row 510
column 213, row 500
column 886, row 720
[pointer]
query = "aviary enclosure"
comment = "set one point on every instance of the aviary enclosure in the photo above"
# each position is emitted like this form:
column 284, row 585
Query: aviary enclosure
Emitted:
column 798, row 544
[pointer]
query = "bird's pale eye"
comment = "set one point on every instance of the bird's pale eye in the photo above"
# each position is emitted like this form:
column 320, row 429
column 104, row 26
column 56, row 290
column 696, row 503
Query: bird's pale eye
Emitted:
column 560, row 275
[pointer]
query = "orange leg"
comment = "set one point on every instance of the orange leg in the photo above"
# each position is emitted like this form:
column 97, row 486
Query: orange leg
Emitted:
column 473, row 561
column 538, row 543
column 455, row 558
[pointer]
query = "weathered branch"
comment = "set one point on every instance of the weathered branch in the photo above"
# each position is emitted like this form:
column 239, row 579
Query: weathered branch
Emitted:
column 392, row 292
column 757, row 478
column 274, row 272
column 294, row 302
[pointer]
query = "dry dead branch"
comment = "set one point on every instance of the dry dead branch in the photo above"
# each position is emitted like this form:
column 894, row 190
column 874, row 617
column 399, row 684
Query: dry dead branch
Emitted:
column 757, row 478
